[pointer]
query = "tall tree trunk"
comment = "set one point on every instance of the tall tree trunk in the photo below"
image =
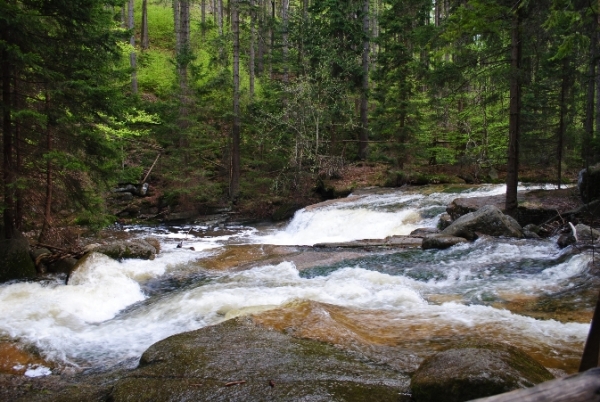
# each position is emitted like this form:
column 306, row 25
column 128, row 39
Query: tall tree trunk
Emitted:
column 220, row 25
column 589, row 104
column 260, row 67
column 512, row 176
column 145, row 37
column 7, row 145
column 19, row 207
column 284, row 17
column 182, row 72
column 272, row 31
column 364, row 99
column 132, row 56
column 252, row 42
column 562, row 126
column 203, row 17
column 184, row 44
column 44, row 233
column 235, row 133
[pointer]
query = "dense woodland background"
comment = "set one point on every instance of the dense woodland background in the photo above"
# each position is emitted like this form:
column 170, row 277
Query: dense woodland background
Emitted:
column 253, row 103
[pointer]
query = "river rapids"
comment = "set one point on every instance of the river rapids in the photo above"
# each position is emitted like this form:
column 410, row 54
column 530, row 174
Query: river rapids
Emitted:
column 524, row 292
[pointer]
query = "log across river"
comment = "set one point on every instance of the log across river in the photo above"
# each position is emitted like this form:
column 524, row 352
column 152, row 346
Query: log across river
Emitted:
column 413, row 302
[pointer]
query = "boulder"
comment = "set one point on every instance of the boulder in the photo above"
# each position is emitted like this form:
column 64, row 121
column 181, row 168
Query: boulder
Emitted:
column 239, row 360
column 475, row 370
column 120, row 249
column 535, row 206
column 15, row 261
column 588, row 183
column 445, row 221
column 441, row 241
column 586, row 233
column 424, row 232
column 487, row 220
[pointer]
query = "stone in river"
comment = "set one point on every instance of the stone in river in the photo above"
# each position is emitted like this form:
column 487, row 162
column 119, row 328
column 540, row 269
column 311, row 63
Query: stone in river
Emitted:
column 475, row 370
column 487, row 220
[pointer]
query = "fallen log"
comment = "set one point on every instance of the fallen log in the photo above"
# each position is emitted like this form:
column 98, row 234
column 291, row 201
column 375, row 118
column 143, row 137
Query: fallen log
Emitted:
column 576, row 388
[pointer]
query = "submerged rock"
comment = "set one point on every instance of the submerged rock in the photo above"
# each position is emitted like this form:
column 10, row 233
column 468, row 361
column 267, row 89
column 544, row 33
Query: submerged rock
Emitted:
column 487, row 220
column 241, row 361
column 441, row 241
column 475, row 370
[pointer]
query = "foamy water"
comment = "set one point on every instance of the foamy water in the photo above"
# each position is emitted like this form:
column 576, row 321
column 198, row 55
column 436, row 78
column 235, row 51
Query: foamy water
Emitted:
column 104, row 315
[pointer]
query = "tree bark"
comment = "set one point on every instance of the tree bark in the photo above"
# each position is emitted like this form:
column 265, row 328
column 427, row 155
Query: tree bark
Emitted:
column 132, row 56
column 7, row 145
column 235, row 133
column 272, row 32
column 589, row 105
column 145, row 38
column 44, row 233
column 19, row 204
column 512, row 176
column 364, row 99
column 251, row 60
column 562, row 127
column 261, row 41
column 203, row 17
column 284, row 16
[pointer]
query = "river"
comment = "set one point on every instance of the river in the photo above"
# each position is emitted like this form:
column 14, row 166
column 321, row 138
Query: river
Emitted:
column 524, row 292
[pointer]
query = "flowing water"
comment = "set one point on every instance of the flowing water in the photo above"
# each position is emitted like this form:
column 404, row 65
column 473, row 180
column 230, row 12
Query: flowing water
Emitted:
column 524, row 292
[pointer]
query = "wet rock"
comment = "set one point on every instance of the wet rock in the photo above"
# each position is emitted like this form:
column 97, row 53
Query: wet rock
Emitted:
column 237, row 360
column 536, row 206
column 532, row 228
column 588, row 183
column 137, row 248
column 153, row 241
column 390, row 241
column 530, row 235
column 15, row 261
column 586, row 233
column 424, row 232
column 441, row 242
column 487, row 220
column 566, row 240
column 475, row 370
column 445, row 221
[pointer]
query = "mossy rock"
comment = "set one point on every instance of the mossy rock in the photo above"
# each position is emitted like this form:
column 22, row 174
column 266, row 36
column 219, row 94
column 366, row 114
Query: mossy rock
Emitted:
column 241, row 361
column 475, row 370
column 15, row 260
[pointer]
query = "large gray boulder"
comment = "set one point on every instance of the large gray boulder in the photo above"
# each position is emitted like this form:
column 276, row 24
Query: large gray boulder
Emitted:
column 475, row 370
column 121, row 249
column 15, row 261
column 488, row 220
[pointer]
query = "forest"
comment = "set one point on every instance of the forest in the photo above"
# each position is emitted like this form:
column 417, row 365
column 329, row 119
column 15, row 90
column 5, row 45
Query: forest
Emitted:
column 251, row 104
